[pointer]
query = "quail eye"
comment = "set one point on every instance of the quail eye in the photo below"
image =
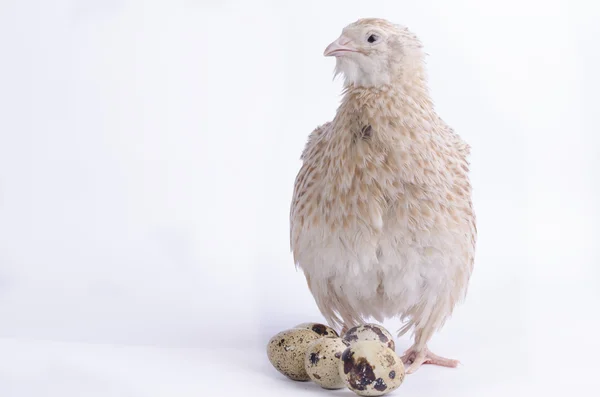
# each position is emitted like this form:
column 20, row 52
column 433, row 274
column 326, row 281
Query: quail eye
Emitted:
column 373, row 38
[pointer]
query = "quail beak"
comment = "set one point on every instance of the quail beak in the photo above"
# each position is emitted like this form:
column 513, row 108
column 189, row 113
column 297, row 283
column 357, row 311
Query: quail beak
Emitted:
column 339, row 47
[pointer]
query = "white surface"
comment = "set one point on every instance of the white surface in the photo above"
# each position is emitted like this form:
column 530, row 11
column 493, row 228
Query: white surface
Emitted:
column 147, row 157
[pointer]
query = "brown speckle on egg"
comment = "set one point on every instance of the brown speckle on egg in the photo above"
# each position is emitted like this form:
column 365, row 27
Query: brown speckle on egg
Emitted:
column 350, row 335
column 318, row 328
column 321, row 365
column 390, row 359
column 314, row 358
column 369, row 368
column 382, row 337
column 286, row 352
column 369, row 332
column 359, row 372
column 380, row 385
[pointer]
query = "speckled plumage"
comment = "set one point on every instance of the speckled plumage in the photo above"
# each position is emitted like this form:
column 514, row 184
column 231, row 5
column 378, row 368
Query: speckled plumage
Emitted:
column 382, row 222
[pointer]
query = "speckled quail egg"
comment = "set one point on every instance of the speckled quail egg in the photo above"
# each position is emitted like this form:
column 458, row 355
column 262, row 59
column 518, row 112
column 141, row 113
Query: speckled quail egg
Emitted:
column 322, row 362
column 370, row 368
column 320, row 329
column 287, row 349
column 369, row 332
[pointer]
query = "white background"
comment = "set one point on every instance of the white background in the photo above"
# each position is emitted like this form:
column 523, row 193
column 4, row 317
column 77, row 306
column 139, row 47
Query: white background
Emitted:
column 148, row 151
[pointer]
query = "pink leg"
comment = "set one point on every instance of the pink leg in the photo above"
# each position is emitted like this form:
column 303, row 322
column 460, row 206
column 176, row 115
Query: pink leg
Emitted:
column 415, row 357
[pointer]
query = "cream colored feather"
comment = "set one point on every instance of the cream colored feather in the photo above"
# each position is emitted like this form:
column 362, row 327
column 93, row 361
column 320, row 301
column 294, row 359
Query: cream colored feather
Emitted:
column 382, row 223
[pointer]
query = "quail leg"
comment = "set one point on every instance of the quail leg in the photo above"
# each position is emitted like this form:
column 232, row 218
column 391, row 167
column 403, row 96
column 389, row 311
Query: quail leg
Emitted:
column 415, row 357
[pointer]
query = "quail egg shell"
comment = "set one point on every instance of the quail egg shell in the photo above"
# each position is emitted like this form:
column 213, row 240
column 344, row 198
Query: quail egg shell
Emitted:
column 370, row 368
column 369, row 332
column 287, row 349
column 319, row 328
column 322, row 362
